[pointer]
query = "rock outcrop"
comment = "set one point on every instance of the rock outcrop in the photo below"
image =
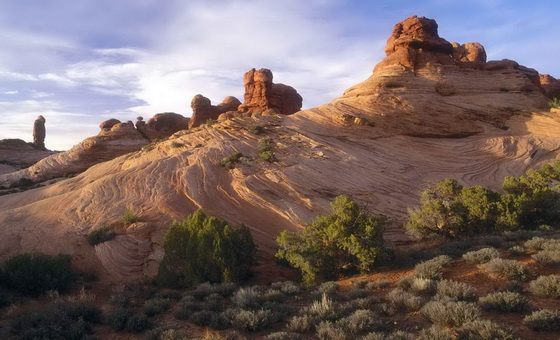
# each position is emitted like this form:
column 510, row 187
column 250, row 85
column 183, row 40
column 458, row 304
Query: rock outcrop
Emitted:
column 203, row 110
column 110, row 143
column 261, row 94
column 39, row 133
column 430, row 110
column 109, row 123
column 16, row 154
column 165, row 124
column 550, row 86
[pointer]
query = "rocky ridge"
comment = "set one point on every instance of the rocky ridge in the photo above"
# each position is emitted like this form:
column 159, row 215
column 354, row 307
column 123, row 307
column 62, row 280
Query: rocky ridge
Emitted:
column 431, row 109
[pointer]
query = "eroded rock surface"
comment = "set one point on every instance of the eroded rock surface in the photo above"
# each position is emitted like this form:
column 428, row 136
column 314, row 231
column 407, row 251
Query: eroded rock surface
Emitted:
column 203, row 110
column 550, row 86
column 165, row 124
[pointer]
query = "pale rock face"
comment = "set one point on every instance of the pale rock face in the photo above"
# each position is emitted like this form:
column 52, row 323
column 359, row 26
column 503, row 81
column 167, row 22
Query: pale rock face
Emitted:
column 428, row 112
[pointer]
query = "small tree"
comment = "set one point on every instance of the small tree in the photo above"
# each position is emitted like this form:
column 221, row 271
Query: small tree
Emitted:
column 347, row 240
column 202, row 248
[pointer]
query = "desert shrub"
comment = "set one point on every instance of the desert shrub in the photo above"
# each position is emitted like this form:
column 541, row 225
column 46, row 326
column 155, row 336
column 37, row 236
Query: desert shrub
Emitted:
column 185, row 308
column 62, row 320
column 171, row 295
column 156, row 306
column 492, row 240
column 329, row 288
column 324, row 309
column 287, row 287
column 230, row 161
column 507, row 269
column 554, row 103
column 283, row 336
column 517, row 251
column 357, row 293
column 301, row 323
column 435, row 333
column 548, row 286
column 210, row 122
column 224, row 289
column 481, row 256
column 347, row 240
column 246, row 297
column 550, row 257
column 400, row 335
column 100, row 235
column 257, row 129
column 130, row 294
column 375, row 285
column 129, row 217
column 432, row 269
column 175, row 144
column 359, row 321
column 402, row 299
column 34, row 274
column 208, row 319
column 266, row 151
column 455, row 290
column 455, row 248
column 205, row 249
column 513, row 286
column 483, row 330
column 504, row 302
column 543, row 320
column 251, row 320
column 416, row 284
column 327, row 330
column 535, row 243
column 518, row 235
column 450, row 313
column 122, row 319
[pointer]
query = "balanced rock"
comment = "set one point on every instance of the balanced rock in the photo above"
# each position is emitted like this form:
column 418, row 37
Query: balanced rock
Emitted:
column 165, row 124
column 261, row 94
column 550, row 86
column 203, row 110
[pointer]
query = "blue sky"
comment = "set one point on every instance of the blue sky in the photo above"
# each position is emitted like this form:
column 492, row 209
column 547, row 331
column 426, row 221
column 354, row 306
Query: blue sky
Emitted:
column 81, row 62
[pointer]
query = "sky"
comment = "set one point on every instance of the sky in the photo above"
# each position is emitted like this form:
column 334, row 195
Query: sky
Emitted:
column 81, row 62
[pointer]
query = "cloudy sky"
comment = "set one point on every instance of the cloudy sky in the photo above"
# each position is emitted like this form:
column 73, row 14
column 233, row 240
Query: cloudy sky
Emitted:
column 81, row 62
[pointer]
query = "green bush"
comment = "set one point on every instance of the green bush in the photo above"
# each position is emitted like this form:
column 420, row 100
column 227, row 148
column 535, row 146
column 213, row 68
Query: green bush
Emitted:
column 100, row 235
column 230, row 161
column 548, row 286
column 554, row 103
column 34, row 274
column 481, row 256
column 450, row 313
column 450, row 210
column 346, row 241
column 504, row 302
column 507, row 269
column 256, row 129
column 205, row 249
column 483, row 330
column 265, row 149
column 129, row 218
column 543, row 320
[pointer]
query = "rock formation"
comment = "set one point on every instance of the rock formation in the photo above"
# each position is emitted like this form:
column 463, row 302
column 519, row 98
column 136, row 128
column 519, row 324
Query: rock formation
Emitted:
column 165, row 124
column 16, row 154
column 39, row 133
column 120, row 139
column 261, row 94
column 203, row 110
column 109, row 123
column 141, row 126
column 431, row 110
column 550, row 86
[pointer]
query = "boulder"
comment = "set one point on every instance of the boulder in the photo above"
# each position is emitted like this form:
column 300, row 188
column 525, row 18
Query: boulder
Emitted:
column 469, row 53
column 417, row 33
column 108, row 124
column 163, row 125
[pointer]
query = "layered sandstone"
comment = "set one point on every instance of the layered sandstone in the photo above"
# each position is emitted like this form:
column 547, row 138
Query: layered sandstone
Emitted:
column 430, row 110
column 550, row 86
column 203, row 110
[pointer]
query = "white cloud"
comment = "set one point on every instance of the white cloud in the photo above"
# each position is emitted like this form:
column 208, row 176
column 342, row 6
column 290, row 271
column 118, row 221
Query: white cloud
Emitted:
column 11, row 92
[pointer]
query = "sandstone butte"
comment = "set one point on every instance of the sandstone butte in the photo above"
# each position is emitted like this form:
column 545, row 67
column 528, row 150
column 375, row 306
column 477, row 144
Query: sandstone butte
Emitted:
column 431, row 109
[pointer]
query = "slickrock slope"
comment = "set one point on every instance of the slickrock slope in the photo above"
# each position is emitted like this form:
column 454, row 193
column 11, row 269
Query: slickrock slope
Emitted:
column 111, row 142
column 16, row 154
column 430, row 110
